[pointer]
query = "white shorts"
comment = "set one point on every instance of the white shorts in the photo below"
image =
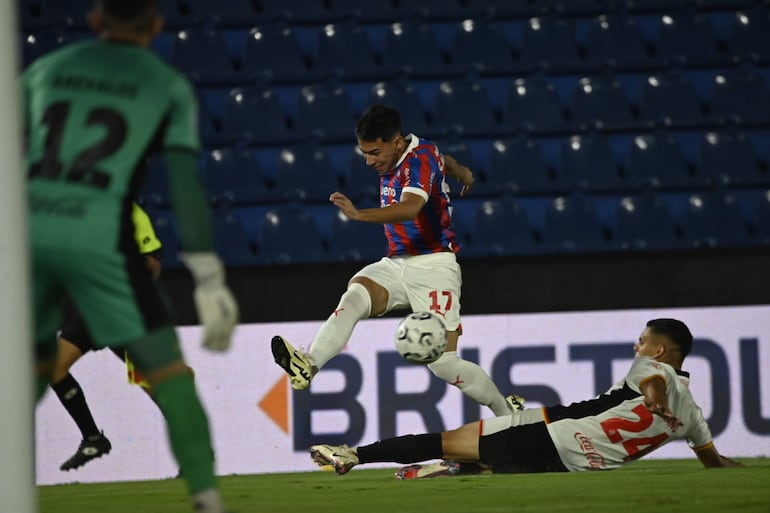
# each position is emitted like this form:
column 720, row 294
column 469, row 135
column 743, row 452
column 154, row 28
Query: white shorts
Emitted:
column 426, row 283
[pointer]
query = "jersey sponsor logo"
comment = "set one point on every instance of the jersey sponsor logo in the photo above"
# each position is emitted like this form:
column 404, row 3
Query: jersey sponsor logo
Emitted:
column 70, row 207
column 388, row 192
column 594, row 459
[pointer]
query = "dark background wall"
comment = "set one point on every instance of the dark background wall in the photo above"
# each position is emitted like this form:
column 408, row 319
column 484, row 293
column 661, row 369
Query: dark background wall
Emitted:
column 510, row 285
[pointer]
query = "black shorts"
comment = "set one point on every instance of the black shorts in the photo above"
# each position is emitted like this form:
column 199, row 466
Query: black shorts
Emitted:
column 521, row 449
column 75, row 332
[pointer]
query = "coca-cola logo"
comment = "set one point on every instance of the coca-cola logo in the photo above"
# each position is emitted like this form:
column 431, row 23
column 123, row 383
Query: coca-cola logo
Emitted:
column 594, row 459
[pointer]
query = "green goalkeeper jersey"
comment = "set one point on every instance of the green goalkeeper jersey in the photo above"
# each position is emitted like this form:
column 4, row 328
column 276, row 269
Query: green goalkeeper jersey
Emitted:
column 93, row 112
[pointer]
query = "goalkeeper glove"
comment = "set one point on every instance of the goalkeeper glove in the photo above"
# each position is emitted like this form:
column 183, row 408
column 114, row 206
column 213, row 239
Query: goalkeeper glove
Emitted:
column 215, row 304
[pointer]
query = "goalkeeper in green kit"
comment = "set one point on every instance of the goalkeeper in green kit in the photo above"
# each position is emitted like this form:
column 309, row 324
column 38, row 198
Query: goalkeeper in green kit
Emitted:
column 93, row 111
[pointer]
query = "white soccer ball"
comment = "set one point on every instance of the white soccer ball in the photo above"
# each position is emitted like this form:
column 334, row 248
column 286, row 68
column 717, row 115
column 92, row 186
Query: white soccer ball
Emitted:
column 421, row 337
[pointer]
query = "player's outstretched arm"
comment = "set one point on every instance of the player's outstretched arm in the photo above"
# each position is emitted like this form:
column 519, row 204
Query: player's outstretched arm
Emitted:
column 710, row 458
column 215, row 304
column 463, row 173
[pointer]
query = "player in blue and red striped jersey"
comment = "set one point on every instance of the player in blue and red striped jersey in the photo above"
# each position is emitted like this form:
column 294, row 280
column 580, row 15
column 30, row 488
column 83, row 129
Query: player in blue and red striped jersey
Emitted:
column 420, row 270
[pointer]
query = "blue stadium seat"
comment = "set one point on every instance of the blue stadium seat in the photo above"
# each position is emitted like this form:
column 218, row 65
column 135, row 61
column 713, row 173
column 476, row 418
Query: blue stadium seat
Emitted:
column 463, row 107
column 344, row 50
column 498, row 9
column 581, row 8
column 288, row 234
column 402, row 96
column 714, row 220
column 730, row 160
column 255, row 114
column 517, row 166
column 202, row 53
column 723, row 4
column 533, row 105
column 231, row 241
column 365, row 12
column 586, row 162
column 305, row 172
column 353, row 241
column 325, row 111
column 173, row 17
column 480, row 46
column 657, row 161
column 32, row 14
column 232, row 13
column 740, row 97
column 600, row 102
column 360, row 181
column 749, row 38
column 644, row 223
column 500, row 228
column 670, row 99
column 233, row 177
column 210, row 121
column 653, row 6
column 37, row 44
column 550, row 44
column 410, row 48
column 571, row 225
column 689, row 40
column 296, row 11
column 71, row 13
column 272, row 52
column 153, row 192
column 617, row 42
column 435, row 9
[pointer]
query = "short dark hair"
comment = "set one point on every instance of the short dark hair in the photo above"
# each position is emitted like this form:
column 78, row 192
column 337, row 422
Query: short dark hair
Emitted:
column 378, row 122
column 127, row 11
column 675, row 330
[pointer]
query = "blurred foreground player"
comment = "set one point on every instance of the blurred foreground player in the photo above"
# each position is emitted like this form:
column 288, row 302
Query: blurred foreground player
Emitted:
column 93, row 111
column 648, row 408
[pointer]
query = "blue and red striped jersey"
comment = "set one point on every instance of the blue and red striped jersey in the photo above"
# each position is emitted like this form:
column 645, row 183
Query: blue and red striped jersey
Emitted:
column 420, row 170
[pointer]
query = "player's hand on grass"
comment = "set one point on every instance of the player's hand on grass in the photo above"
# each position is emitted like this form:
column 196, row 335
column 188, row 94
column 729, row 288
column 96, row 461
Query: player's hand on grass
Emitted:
column 215, row 304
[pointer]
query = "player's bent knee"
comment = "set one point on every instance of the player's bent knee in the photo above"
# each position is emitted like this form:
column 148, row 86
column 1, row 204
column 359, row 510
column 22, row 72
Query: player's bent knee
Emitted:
column 444, row 367
column 157, row 356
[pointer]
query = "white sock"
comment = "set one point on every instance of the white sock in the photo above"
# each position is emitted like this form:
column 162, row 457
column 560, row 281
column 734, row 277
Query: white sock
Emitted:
column 208, row 501
column 472, row 380
column 355, row 305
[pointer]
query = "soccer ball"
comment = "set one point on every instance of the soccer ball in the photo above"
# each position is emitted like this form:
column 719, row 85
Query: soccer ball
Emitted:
column 421, row 337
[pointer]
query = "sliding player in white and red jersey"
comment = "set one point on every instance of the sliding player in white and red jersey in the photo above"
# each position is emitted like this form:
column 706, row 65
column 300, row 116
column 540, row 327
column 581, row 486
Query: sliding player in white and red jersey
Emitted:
column 420, row 271
column 650, row 407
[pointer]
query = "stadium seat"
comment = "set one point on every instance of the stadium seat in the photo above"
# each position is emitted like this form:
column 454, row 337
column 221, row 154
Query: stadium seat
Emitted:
column 763, row 217
column 644, row 223
column 533, row 105
column 231, row 241
column 435, row 10
column 255, row 114
column 657, row 161
column 353, row 241
column 723, row 4
column 233, row 177
column 499, row 10
column 402, row 96
column 36, row 44
column 210, row 119
column 32, row 14
column 365, row 12
column 571, row 225
column 517, row 166
column 153, row 192
column 232, row 13
column 481, row 46
column 272, row 52
column 749, row 38
column 652, row 6
column 305, row 172
column 670, row 99
column 325, row 111
column 586, row 163
column 730, row 160
column 360, row 181
column 689, row 40
column 411, row 49
column 202, row 54
column 550, row 44
column 714, row 220
column 71, row 14
column 344, row 50
column 581, row 8
column 295, row 11
column 463, row 108
column 601, row 103
column 500, row 228
column 289, row 235
column 740, row 97
column 173, row 17
column 617, row 42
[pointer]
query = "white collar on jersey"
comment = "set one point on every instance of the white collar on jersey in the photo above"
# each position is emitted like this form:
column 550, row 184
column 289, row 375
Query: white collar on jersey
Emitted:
column 413, row 142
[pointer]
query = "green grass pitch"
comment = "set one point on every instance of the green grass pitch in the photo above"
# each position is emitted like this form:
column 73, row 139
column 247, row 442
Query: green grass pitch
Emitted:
column 672, row 486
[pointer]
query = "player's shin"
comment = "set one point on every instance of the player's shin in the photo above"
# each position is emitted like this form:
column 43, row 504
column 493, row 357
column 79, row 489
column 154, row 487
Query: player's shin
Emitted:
column 471, row 380
column 355, row 305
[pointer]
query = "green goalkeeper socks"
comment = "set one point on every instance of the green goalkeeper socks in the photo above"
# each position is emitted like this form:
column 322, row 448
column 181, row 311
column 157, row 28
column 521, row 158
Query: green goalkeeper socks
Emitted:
column 188, row 430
